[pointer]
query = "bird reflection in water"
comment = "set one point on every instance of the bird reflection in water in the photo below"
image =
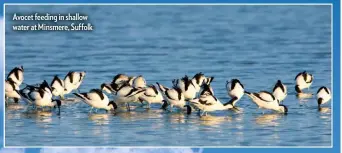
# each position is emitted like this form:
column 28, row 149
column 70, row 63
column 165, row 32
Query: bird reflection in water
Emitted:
column 177, row 117
column 214, row 120
column 302, row 96
column 39, row 116
column 324, row 110
column 268, row 119
column 15, row 106
column 100, row 119
column 139, row 115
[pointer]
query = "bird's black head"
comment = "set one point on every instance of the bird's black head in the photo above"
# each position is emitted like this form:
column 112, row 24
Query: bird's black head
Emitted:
column 165, row 104
column 234, row 82
column 278, row 82
column 298, row 90
column 285, row 108
column 102, row 86
column 113, row 104
column 206, row 90
column 210, row 79
column 319, row 101
column 59, row 103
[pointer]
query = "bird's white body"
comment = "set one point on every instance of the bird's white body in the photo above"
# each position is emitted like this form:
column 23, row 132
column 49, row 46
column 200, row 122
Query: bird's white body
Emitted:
column 324, row 94
column 280, row 91
column 39, row 96
column 209, row 103
column 46, row 100
column 120, row 78
column 304, row 80
column 72, row 81
column 266, row 100
column 11, row 89
column 175, row 99
column 57, row 86
column 139, row 82
column 235, row 90
column 189, row 89
column 173, row 96
column 95, row 98
column 127, row 94
column 152, row 95
column 17, row 75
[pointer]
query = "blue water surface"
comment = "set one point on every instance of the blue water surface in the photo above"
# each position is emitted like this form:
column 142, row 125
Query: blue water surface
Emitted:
column 256, row 44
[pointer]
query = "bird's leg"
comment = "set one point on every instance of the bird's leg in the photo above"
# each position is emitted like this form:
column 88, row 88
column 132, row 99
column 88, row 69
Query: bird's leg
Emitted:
column 199, row 112
column 202, row 113
column 16, row 100
column 128, row 107
column 62, row 97
column 95, row 110
column 6, row 100
column 236, row 108
column 206, row 113
column 78, row 90
column 171, row 106
column 142, row 102
column 91, row 109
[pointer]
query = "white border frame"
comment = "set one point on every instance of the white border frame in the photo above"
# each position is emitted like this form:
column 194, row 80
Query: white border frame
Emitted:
column 180, row 4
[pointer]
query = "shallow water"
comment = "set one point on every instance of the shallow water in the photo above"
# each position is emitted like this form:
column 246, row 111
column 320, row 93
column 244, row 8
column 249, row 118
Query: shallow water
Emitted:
column 256, row 44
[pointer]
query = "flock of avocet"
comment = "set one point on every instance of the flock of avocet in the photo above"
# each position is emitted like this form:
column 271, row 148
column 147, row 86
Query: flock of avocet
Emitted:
column 186, row 93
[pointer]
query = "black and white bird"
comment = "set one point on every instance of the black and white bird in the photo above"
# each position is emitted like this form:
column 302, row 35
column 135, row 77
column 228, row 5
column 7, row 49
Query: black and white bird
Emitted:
column 152, row 95
column 187, row 87
column 209, row 103
column 303, row 81
column 323, row 95
column 173, row 97
column 280, row 91
column 207, row 90
column 17, row 75
column 208, row 80
column 266, row 100
column 24, row 93
column 235, row 90
column 139, row 82
column 118, row 81
column 11, row 91
column 40, row 96
column 127, row 94
column 57, row 86
column 73, row 80
column 191, row 87
column 199, row 79
column 97, row 99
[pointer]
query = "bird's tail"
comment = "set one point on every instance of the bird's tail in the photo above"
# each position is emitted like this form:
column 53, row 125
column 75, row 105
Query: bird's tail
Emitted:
column 80, row 95
column 248, row 93
column 107, row 88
